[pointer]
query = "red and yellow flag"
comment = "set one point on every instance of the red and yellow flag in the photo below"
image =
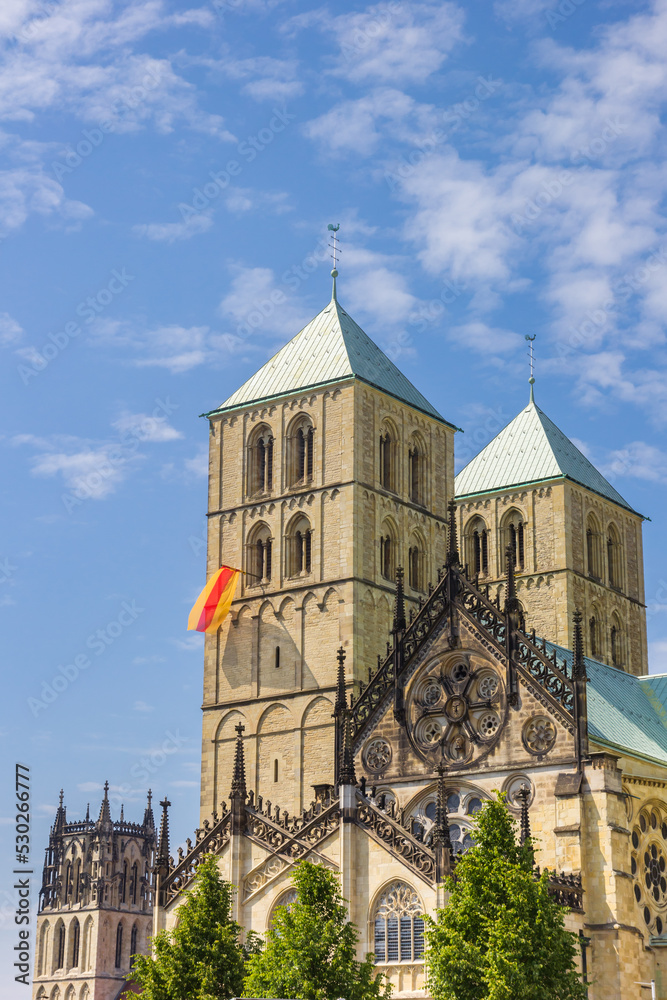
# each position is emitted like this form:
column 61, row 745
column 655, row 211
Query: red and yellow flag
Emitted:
column 213, row 604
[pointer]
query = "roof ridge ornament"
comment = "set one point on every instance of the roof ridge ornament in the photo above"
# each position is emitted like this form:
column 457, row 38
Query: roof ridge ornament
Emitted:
column 531, row 355
column 334, row 256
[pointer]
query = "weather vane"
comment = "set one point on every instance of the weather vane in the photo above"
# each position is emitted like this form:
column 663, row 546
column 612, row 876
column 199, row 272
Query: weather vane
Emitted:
column 531, row 355
column 336, row 251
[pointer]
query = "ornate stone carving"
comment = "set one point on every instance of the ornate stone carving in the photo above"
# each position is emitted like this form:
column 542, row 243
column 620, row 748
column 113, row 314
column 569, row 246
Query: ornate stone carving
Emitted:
column 377, row 755
column 539, row 735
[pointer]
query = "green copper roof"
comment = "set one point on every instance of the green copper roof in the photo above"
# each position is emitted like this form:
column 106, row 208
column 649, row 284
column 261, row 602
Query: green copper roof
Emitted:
column 531, row 449
column 625, row 712
column 332, row 347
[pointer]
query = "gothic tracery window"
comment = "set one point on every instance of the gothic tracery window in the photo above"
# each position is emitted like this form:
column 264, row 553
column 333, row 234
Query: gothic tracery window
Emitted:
column 477, row 546
column 417, row 471
column 398, row 925
column 593, row 550
column 260, row 555
column 387, row 447
column 514, row 535
column 299, row 547
column 614, row 557
column 300, row 452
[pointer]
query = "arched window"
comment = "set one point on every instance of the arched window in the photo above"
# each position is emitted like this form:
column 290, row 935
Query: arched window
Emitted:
column 133, row 940
column 59, row 946
column 275, row 770
column 476, row 538
column 299, row 547
column 85, row 992
column 617, row 642
column 119, row 945
column 260, row 461
column 417, row 471
column 594, row 636
column 133, row 883
column 416, row 564
column 614, row 557
column 85, row 952
column 593, row 549
column 387, row 455
column 300, row 451
column 514, row 535
column 260, row 555
column 74, row 938
column 123, row 888
column 287, row 899
column 77, row 880
column 70, row 994
column 388, row 551
column 398, row 924
column 43, row 953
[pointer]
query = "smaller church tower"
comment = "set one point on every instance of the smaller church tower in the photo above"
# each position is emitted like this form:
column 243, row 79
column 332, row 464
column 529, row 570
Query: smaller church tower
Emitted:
column 95, row 904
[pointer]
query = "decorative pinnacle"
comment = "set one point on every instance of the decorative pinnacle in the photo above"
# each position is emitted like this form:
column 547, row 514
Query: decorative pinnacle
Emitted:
column 523, row 795
column 105, row 812
column 238, row 778
column 340, row 683
column 163, row 849
column 453, row 548
column 399, row 603
column 441, row 828
column 578, row 665
column 510, row 596
column 62, row 796
column 531, row 355
column 347, row 773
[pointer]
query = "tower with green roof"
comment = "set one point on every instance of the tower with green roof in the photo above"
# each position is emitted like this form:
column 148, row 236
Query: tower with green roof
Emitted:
column 328, row 471
column 577, row 542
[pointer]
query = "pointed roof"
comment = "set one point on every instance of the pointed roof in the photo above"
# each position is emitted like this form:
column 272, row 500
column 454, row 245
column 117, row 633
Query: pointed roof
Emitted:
column 330, row 348
column 531, row 449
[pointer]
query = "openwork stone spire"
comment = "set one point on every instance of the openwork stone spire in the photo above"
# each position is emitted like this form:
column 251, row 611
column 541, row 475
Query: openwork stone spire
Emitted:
column 238, row 778
column 104, row 818
column 60, row 813
column 453, row 546
column 149, row 820
column 399, row 604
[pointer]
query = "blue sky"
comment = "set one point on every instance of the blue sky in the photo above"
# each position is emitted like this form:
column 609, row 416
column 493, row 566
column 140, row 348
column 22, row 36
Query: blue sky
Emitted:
column 167, row 177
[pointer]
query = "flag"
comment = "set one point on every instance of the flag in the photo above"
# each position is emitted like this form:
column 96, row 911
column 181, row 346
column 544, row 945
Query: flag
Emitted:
column 213, row 604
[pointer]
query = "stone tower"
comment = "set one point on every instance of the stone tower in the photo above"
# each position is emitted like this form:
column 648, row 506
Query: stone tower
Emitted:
column 577, row 543
column 95, row 907
column 327, row 471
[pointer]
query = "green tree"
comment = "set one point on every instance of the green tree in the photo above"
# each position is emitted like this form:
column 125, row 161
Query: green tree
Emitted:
column 201, row 959
column 501, row 936
column 310, row 950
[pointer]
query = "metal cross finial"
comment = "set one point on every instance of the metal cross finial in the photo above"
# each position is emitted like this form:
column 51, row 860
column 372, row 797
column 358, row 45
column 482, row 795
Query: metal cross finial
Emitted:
column 240, row 728
column 336, row 251
column 165, row 803
column 531, row 355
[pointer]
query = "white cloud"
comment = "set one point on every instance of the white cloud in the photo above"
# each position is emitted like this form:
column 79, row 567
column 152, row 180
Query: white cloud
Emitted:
column 142, row 706
column 246, row 200
column 360, row 125
column 637, row 460
column 486, row 340
column 176, row 348
column 268, row 78
column 260, row 307
column 146, row 428
column 10, row 331
column 198, row 466
column 171, row 232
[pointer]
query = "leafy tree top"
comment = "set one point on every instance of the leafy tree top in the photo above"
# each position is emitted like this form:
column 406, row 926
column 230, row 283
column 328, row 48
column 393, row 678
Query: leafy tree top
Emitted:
column 501, row 936
column 201, row 959
column 310, row 950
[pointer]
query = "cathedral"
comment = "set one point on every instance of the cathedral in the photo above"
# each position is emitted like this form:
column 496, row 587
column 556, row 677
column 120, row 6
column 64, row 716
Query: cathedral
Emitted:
column 403, row 643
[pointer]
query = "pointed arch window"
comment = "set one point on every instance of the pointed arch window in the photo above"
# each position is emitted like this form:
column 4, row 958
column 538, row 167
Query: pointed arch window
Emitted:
column 417, row 471
column 260, row 461
column 398, row 925
column 594, row 636
column 614, row 557
column 119, row 946
column 617, row 643
column 476, row 539
column 416, row 564
column 75, row 933
column 60, row 946
column 133, row 940
column 133, row 883
column 387, row 553
column 593, row 550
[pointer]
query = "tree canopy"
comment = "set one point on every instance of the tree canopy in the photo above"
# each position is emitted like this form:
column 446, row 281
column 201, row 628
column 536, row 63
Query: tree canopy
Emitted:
column 310, row 949
column 201, row 959
column 501, row 936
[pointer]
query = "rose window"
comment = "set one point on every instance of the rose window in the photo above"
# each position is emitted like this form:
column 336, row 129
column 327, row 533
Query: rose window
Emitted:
column 649, row 868
column 488, row 687
column 378, row 755
column 488, row 725
column 539, row 734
